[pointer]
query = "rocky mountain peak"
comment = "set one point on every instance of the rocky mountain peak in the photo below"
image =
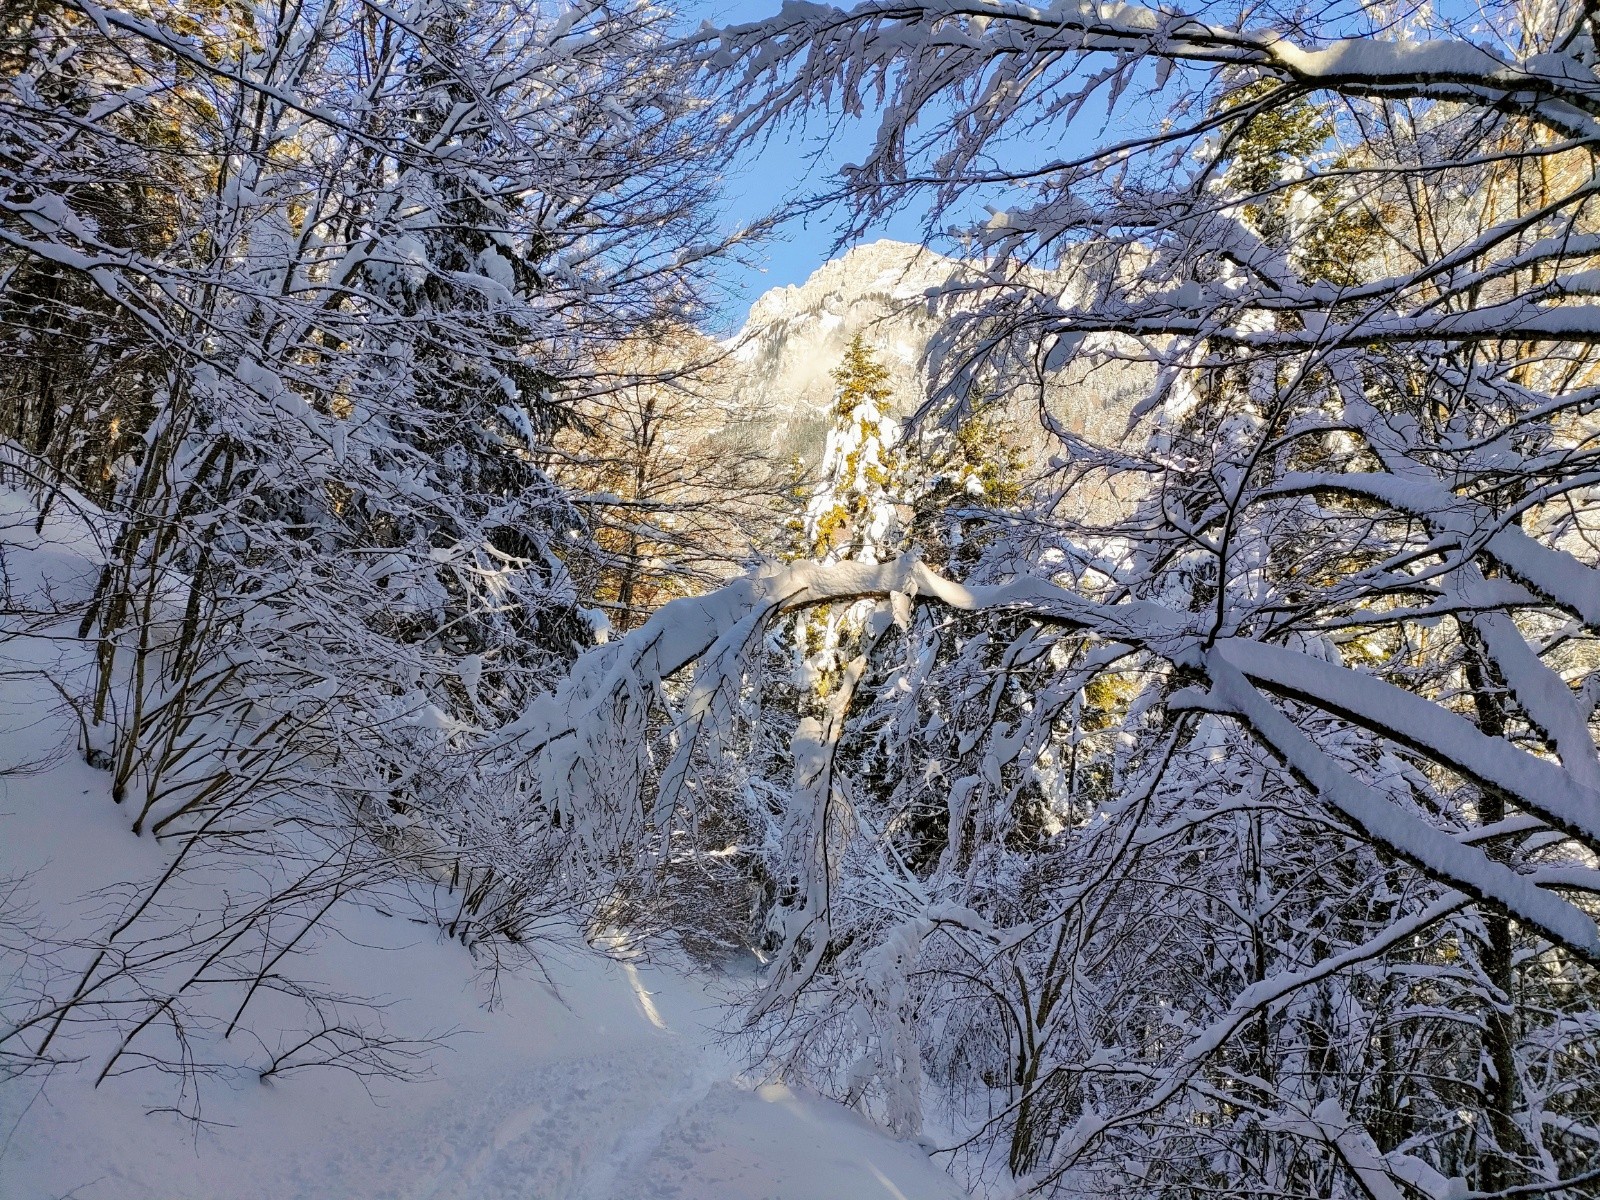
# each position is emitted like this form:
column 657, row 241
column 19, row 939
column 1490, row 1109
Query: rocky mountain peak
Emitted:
column 885, row 273
column 796, row 335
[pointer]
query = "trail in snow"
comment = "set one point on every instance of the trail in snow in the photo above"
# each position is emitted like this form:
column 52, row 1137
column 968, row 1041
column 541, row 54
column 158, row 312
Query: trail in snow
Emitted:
column 613, row 1085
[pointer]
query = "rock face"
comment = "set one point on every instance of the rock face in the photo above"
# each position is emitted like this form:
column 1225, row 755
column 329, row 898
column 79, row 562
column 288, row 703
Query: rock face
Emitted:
column 794, row 337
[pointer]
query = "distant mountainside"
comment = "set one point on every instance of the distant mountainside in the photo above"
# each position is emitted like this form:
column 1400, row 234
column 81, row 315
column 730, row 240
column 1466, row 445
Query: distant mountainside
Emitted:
column 795, row 336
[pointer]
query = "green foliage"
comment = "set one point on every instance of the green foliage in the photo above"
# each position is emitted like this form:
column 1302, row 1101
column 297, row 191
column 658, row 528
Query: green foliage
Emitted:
column 978, row 468
column 1329, row 231
column 867, row 471
column 861, row 377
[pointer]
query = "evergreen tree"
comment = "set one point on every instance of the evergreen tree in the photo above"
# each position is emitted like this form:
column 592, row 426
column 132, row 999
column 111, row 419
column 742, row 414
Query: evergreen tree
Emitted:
column 856, row 513
column 969, row 475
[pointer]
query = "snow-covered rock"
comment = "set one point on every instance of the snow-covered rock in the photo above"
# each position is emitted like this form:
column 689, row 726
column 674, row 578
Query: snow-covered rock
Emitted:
column 795, row 336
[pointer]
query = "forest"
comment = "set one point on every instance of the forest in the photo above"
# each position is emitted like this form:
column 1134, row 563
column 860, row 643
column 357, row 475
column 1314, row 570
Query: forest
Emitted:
column 1138, row 742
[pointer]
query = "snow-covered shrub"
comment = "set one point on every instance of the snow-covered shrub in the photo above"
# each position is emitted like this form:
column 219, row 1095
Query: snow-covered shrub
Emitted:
column 1305, row 904
column 300, row 298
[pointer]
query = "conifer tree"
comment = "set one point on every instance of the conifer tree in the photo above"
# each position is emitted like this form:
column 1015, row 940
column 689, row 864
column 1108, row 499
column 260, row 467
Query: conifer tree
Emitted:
column 855, row 513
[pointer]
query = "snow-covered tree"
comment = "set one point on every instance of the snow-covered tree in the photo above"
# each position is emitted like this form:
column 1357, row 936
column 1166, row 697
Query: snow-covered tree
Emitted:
column 1358, row 255
column 294, row 300
column 855, row 511
column 1243, row 838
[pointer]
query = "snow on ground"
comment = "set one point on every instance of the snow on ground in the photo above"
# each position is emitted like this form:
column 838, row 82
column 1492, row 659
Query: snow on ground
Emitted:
column 605, row 1080
column 612, row 1084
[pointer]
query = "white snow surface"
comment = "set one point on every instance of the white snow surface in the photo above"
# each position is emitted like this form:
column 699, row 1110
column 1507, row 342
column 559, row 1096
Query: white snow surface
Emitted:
column 613, row 1082
column 600, row 1078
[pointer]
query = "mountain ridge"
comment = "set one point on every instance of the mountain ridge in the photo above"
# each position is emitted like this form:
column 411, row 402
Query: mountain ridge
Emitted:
column 796, row 334
column 897, row 295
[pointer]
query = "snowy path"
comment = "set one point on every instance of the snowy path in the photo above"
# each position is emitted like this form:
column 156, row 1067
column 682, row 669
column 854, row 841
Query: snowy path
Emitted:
column 544, row 1112
column 613, row 1087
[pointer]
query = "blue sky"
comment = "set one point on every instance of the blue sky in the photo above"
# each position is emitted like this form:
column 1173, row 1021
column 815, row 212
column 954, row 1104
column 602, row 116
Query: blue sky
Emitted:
column 784, row 168
column 766, row 176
